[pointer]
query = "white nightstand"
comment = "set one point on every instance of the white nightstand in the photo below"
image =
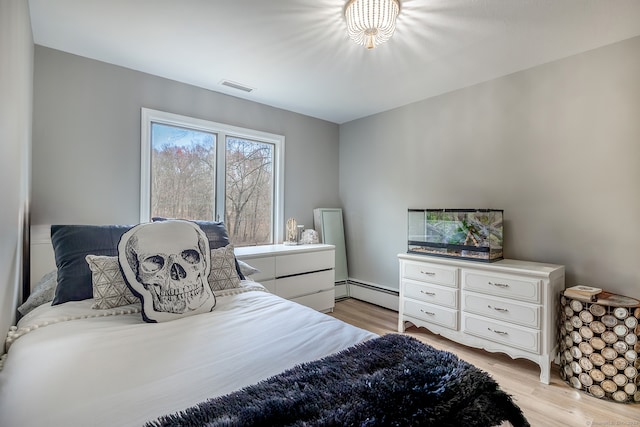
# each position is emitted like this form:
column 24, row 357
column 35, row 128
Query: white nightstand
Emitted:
column 301, row 273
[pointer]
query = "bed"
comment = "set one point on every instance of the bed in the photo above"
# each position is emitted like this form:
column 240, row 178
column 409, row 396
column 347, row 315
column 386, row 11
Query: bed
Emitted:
column 253, row 359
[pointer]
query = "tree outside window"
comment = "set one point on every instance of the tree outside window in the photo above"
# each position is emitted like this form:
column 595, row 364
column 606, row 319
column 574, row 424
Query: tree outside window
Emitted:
column 249, row 191
column 188, row 174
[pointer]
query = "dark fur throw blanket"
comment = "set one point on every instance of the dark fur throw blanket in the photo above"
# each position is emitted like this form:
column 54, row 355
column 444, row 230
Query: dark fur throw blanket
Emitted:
column 393, row 380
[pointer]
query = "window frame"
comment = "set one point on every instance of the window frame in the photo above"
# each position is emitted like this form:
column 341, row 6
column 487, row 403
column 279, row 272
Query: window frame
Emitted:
column 149, row 116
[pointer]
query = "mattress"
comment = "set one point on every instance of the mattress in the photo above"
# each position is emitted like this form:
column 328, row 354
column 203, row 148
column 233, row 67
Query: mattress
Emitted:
column 71, row 365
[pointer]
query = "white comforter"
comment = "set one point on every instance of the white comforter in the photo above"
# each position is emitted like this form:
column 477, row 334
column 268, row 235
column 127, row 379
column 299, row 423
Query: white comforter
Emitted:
column 116, row 370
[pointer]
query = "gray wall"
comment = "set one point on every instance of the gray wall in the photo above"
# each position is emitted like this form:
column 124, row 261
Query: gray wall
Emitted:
column 556, row 146
column 16, row 85
column 86, row 140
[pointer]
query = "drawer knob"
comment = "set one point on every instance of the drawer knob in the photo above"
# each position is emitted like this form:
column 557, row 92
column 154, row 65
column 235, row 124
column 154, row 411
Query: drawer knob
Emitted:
column 499, row 285
column 498, row 332
column 428, row 273
column 431, row 294
column 428, row 312
column 501, row 310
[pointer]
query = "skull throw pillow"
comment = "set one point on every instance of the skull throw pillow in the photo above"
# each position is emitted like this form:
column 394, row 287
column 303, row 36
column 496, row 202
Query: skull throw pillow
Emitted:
column 166, row 264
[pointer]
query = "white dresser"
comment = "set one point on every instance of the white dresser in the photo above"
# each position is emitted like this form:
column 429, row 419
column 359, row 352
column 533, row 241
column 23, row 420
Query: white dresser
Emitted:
column 301, row 273
column 508, row 306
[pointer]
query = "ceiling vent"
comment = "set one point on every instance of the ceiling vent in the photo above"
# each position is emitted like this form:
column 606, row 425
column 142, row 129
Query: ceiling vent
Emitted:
column 235, row 85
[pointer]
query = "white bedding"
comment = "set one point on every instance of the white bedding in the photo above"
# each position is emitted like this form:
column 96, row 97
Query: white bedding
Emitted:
column 116, row 370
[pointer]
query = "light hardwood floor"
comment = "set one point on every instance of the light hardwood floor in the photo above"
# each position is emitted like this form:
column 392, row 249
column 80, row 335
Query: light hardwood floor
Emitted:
column 556, row 404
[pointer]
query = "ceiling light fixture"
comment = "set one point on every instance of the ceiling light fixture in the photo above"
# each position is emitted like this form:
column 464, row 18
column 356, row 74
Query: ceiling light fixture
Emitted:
column 371, row 22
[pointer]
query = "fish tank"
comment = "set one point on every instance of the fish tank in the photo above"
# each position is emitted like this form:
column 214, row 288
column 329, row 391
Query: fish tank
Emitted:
column 474, row 234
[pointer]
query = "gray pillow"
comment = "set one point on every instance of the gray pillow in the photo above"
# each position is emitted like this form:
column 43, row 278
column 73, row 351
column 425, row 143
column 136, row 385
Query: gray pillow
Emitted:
column 71, row 244
column 42, row 292
column 246, row 269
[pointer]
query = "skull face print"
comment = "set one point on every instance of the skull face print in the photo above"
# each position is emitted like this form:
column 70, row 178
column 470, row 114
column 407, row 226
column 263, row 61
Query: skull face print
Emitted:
column 169, row 261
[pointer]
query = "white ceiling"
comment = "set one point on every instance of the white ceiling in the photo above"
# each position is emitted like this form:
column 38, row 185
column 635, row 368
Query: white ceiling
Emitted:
column 297, row 56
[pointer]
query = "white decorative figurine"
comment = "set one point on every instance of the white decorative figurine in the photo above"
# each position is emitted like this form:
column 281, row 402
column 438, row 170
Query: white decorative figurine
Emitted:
column 309, row 237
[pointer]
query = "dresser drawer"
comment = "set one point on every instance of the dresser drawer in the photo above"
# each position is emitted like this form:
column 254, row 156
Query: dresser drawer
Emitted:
column 511, row 335
column 431, row 313
column 500, row 309
column 287, row 265
column 269, row 285
column 433, row 294
column 304, row 284
column 431, row 273
column 321, row 301
column 512, row 287
column 267, row 267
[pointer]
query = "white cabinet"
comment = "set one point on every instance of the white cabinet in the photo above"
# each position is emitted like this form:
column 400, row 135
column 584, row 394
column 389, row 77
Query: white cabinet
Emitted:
column 301, row 273
column 507, row 306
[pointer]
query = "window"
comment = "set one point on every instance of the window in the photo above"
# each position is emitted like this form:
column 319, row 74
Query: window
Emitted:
column 201, row 170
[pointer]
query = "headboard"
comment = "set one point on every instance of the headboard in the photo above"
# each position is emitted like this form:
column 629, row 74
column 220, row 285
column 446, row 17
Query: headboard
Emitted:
column 41, row 260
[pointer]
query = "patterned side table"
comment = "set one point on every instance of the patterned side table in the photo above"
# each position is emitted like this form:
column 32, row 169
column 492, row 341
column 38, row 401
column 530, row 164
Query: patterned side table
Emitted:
column 599, row 346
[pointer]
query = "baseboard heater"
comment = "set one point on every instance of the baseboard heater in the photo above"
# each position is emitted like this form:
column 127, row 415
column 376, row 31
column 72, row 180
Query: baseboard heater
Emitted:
column 377, row 295
column 372, row 287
